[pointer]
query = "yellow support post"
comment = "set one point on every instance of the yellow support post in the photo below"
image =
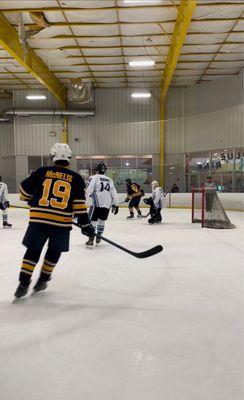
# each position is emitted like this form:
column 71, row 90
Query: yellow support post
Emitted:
column 162, row 140
column 9, row 39
column 185, row 13
column 65, row 130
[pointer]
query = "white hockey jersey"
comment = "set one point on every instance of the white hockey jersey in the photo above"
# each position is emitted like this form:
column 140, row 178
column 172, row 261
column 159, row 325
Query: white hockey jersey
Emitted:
column 159, row 197
column 102, row 191
column 3, row 192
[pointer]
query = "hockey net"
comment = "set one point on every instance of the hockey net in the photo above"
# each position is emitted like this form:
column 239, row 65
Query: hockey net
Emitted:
column 207, row 209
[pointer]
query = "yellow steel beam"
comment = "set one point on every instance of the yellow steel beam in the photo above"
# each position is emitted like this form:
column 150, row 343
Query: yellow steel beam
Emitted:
column 65, row 130
column 185, row 13
column 9, row 39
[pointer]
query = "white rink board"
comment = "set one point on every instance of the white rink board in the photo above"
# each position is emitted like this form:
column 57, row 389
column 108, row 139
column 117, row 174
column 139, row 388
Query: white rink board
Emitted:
column 230, row 201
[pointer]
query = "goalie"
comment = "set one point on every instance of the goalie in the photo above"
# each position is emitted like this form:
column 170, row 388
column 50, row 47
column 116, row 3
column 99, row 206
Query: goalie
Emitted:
column 156, row 203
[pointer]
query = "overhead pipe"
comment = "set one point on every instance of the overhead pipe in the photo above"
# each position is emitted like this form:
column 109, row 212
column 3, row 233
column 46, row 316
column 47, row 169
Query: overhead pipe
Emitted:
column 69, row 113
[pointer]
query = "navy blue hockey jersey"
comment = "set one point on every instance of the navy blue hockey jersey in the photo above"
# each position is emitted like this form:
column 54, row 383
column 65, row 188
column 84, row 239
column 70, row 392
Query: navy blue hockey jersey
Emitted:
column 55, row 195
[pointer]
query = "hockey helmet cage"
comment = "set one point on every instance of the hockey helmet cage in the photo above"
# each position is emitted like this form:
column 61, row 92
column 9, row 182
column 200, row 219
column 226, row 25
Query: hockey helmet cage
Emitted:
column 101, row 168
column 61, row 152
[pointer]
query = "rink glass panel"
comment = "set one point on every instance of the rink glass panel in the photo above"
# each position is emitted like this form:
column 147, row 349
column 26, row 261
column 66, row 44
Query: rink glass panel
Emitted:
column 226, row 167
column 138, row 169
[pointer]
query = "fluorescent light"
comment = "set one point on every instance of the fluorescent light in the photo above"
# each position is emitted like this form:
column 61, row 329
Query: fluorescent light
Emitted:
column 36, row 97
column 141, row 95
column 143, row 63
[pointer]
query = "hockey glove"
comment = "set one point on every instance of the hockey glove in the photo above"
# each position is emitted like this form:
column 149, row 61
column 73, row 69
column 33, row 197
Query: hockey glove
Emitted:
column 6, row 204
column 88, row 230
column 127, row 199
column 115, row 209
column 148, row 201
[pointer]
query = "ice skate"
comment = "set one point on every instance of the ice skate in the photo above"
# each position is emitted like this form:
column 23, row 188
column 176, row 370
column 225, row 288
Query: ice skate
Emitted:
column 21, row 291
column 6, row 225
column 98, row 238
column 39, row 286
column 139, row 216
column 90, row 242
column 130, row 217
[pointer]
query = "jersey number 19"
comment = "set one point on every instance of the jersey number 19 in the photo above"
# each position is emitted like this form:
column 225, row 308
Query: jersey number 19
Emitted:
column 61, row 190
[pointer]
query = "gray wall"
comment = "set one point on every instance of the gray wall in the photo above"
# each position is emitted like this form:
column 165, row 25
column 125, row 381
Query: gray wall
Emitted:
column 121, row 126
column 7, row 151
column 203, row 117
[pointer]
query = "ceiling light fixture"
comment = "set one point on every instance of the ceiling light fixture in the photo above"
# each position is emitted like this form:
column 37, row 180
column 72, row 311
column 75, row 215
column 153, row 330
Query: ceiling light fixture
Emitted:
column 143, row 63
column 141, row 95
column 36, row 97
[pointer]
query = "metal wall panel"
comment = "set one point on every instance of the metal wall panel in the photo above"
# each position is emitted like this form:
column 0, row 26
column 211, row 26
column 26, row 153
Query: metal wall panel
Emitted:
column 211, row 116
column 5, row 104
column 121, row 125
column 32, row 134
column 20, row 101
column 6, row 130
column 6, row 139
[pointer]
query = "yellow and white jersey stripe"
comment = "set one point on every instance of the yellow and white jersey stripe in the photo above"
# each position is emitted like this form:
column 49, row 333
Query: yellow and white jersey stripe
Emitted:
column 52, row 217
column 79, row 206
column 24, row 195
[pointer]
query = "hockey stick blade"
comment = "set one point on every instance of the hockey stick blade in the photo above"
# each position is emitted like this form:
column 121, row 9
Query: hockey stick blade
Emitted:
column 145, row 216
column 143, row 254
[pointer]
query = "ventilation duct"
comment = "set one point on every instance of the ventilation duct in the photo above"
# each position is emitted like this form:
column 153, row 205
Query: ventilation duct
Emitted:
column 25, row 112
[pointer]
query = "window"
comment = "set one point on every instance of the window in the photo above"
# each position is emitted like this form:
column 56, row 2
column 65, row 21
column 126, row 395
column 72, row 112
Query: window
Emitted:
column 225, row 166
column 137, row 168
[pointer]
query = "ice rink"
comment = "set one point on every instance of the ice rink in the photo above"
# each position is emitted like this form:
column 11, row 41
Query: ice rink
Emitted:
column 112, row 327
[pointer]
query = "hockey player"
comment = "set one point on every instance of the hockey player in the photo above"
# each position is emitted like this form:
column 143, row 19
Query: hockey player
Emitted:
column 210, row 189
column 4, row 203
column 104, row 195
column 55, row 194
column 156, row 203
column 134, row 195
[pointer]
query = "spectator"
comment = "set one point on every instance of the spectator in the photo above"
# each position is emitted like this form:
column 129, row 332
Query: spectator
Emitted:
column 175, row 188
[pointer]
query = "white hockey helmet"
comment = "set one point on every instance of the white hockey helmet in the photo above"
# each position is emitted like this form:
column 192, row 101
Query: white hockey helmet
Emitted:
column 61, row 151
column 154, row 184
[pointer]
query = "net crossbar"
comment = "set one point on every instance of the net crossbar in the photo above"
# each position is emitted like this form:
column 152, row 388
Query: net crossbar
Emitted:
column 208, row 210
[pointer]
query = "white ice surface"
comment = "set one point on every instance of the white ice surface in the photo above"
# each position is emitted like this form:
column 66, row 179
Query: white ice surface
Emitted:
column 112, row 327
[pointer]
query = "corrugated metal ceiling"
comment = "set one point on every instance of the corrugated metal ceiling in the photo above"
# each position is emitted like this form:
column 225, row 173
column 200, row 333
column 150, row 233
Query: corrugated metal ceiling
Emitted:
column 95, row 40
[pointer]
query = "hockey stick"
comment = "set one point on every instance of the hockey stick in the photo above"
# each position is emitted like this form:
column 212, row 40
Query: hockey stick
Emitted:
column 145, row 216
column 143, row 254
column 23, row 207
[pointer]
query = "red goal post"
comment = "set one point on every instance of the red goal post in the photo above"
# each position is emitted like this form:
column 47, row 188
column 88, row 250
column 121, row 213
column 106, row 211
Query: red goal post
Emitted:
column 208, row 209
column 198, row 205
